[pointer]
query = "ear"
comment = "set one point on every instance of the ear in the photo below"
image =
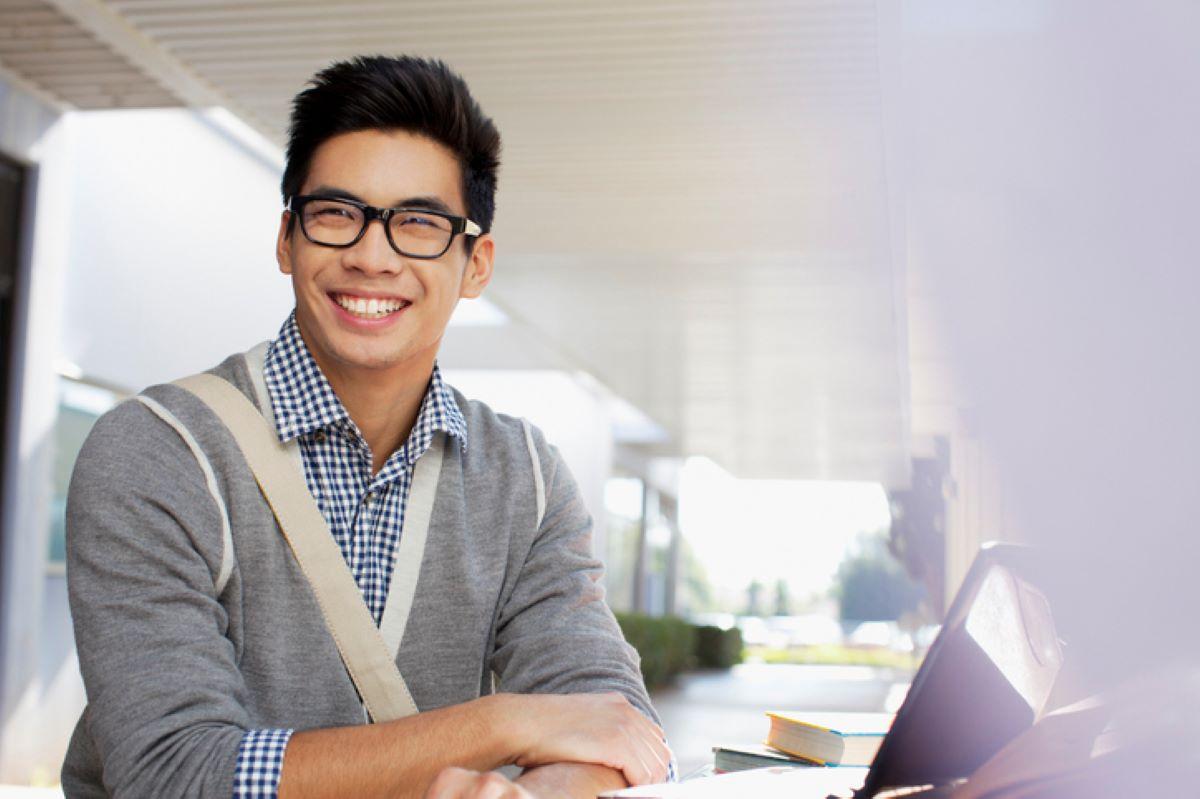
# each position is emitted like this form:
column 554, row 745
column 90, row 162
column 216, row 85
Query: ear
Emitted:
column 283, row 244
column 479, row 268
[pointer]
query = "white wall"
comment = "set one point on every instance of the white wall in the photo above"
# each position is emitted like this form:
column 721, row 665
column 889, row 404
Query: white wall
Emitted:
column 172, row 243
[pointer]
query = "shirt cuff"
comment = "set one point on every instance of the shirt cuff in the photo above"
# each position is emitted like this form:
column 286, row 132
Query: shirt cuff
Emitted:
column 260, row 763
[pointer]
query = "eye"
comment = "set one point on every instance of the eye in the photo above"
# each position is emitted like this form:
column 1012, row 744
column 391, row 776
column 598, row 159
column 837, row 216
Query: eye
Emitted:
column 421, row 224
column 420, row 219
column 330, row 212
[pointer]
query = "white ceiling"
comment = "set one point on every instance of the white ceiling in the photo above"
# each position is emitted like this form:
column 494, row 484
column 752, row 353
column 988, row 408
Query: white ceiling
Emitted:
column 694, row 202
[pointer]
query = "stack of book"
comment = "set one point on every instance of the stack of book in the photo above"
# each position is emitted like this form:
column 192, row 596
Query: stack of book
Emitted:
column 829, row 739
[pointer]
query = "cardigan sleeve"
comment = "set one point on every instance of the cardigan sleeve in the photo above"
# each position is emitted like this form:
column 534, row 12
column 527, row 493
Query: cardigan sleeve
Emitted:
column 555, row 633
column 165, row 697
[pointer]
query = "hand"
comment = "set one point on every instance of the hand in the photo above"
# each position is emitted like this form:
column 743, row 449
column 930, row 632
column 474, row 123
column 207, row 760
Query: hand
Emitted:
column 590, row 728
column 559, row 780
column 461, row 783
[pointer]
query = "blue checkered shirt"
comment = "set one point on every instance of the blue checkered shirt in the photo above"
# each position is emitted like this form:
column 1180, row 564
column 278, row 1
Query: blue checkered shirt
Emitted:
column 365, row 513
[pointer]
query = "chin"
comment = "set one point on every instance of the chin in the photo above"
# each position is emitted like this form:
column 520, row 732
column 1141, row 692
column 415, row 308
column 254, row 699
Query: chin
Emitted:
column 371, row 357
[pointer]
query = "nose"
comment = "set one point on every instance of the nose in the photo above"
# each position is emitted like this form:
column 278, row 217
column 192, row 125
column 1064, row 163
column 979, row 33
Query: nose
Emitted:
column 373, row 253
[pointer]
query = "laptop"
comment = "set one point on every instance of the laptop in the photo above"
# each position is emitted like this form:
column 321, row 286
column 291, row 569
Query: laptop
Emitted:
column 986, row 678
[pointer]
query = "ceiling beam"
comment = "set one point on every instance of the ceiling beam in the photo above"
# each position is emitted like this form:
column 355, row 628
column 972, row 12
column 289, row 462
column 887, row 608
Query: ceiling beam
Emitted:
column 113, row 30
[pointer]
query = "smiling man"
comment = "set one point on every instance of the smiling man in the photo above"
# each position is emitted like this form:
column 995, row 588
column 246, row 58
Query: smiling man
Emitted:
column 208, row 666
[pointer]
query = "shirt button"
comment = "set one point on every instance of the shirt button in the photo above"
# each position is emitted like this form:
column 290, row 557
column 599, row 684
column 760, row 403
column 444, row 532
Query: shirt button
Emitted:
column 370, row 495
column 319, row 436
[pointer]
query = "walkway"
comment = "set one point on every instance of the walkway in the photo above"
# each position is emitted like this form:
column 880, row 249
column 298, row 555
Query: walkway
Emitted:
column 707, row 708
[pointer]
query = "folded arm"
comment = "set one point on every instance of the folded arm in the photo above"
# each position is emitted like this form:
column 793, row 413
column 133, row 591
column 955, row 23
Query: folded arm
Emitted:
column 402, row 758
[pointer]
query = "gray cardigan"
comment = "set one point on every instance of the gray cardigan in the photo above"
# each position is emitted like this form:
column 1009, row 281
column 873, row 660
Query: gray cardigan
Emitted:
column 176, row 670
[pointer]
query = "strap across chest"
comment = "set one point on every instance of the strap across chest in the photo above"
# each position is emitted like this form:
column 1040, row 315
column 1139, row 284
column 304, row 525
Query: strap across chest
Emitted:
column 369, row 652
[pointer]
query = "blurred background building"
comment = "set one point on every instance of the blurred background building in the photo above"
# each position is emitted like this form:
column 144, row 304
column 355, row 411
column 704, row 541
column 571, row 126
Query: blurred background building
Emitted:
column 810, row 294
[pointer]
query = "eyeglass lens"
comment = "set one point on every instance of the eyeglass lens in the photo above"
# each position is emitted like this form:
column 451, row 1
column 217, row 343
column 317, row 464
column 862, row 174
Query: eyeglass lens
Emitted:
column 336, row 223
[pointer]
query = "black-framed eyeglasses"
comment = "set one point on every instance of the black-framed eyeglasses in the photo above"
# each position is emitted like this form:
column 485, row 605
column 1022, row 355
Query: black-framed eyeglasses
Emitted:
column 412, row 232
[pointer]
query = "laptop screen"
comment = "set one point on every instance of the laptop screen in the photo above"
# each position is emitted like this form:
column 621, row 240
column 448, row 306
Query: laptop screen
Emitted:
column 986, row 678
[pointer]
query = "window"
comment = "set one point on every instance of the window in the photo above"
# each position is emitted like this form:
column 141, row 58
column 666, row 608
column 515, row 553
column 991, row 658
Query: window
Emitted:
column 80, row 404
column 623, row 505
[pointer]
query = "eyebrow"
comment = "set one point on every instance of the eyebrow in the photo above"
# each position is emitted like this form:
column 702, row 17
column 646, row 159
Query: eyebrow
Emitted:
column 428, row 201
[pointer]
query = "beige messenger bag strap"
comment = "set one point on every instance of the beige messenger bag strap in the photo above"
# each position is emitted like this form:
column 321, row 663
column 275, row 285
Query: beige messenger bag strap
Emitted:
column 368, row 658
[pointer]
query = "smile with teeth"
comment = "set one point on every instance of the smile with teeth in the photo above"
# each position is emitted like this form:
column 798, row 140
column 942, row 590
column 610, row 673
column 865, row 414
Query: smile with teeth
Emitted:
column 369, row 309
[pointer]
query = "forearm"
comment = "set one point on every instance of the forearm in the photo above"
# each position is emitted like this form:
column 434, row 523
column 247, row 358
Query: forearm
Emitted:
column 397, row 758
column 570, row 780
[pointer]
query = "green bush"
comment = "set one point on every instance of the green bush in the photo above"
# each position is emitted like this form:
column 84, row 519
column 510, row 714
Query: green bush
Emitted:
column 666, row 645
column 669, row 646
column 717, row 648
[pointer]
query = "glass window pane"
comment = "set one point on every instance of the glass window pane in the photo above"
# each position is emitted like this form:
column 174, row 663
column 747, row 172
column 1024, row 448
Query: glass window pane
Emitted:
column 80, row 405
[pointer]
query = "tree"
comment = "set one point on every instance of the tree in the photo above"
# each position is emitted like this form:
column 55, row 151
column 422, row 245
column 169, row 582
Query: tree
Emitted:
column 871, row 585
column 754, row 599
column 783, row 600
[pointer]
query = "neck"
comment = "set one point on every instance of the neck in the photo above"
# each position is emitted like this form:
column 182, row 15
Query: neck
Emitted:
column 385, row 408
column 383, row 403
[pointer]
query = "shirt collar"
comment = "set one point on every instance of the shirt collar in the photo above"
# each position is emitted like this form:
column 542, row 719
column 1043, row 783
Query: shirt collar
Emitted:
column 439, row 411
column 304, row 402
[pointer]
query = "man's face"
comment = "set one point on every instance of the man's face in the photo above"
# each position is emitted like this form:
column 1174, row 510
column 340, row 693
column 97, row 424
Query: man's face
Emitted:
column 385, row 169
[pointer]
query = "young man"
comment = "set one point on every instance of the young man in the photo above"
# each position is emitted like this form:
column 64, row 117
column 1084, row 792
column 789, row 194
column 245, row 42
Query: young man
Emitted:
column 208, row 667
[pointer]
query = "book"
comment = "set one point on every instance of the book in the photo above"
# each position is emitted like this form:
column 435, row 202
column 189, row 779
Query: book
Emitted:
column 850, row 743
column 746, row 756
